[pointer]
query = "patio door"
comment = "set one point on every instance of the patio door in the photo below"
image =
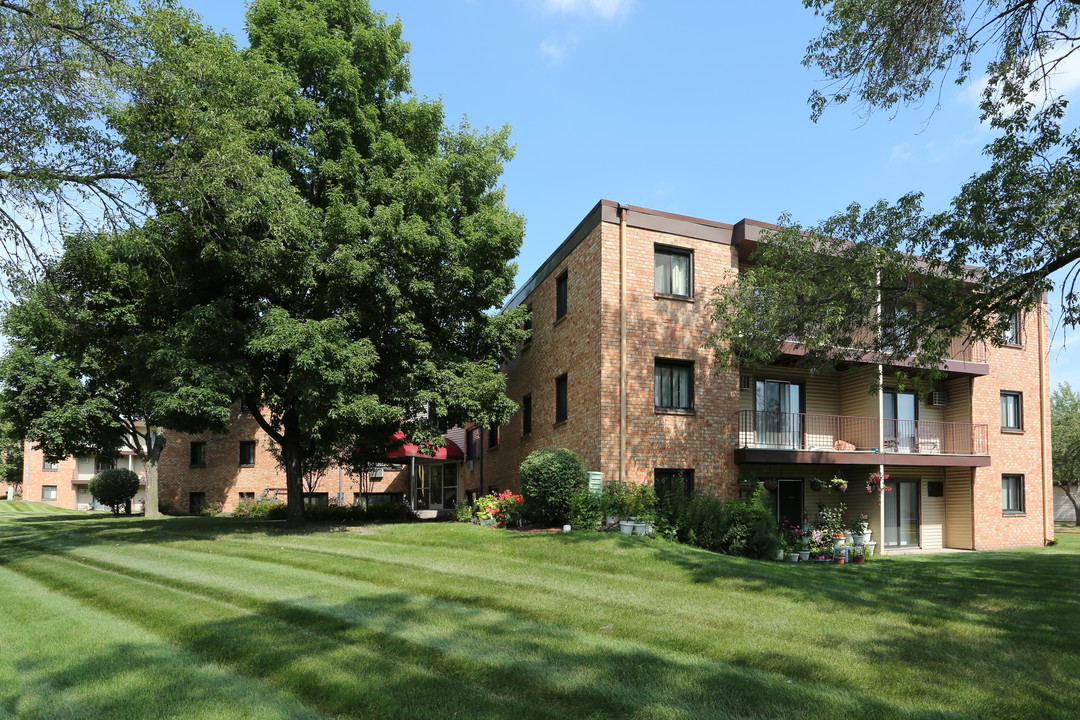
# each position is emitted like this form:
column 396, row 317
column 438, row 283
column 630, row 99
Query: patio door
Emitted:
column 436, row 486
column 789, row 502
column 778, row 404
column 901, row 422
column 902, row 514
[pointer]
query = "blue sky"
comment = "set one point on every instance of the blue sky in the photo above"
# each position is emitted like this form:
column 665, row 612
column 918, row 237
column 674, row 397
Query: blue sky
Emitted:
column 696, row 108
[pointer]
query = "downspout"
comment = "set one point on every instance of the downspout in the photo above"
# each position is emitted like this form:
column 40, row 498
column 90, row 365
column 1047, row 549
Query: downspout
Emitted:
column 623, row 211
column 1042, row 422
column 880, row 428
column 412, row 479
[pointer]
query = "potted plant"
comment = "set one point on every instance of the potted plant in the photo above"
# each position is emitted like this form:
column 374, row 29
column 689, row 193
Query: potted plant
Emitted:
column 815, row 484
column 859, row 531
column 837, row 484
column 876, row 481
column 858, row 554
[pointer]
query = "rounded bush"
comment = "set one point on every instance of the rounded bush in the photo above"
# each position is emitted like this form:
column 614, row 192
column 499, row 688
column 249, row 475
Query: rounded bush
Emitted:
column 114, row 488
column 549, row 479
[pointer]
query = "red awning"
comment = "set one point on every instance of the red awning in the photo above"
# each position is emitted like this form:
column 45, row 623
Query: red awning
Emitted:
column 450, row 451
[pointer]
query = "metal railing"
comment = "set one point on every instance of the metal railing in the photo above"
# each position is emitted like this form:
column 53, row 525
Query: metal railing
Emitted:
column 813, row 432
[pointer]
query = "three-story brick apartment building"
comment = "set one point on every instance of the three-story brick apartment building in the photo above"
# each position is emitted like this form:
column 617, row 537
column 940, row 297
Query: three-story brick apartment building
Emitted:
column 615, row 369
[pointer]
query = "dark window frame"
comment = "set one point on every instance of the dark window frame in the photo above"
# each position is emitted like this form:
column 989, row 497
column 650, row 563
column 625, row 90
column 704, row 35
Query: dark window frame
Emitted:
column 1019, row 398
column 672, row 364
column 562, row 295
column 249, row 496
column 244, row 444
column 47, row 466
column 493, row 437
column 1012, row 505
column 670, row 250
column 470, row 438
column 562, row 398
column 1013, row 336
column 44, row 496
column 526, row 415
column 663, row 478
column 197, row 454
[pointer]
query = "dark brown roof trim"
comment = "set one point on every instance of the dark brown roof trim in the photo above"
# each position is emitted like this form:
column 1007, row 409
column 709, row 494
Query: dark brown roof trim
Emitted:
column 637, row 217
column 828, row 457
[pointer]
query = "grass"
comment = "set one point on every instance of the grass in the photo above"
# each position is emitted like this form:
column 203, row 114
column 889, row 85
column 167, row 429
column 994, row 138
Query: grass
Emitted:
column 216, row 618
column 23, row 507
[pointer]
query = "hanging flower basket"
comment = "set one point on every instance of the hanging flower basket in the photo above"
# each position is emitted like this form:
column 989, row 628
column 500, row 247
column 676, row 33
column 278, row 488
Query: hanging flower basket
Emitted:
column 815, row 484
column 838, row 484
column 877, row 481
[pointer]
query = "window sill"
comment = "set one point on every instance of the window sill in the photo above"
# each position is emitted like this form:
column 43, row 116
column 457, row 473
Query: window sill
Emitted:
column 559, row 320
column 1013, row 513
column 676, row 298
column 1014, row 346
column 197, row 466
column 246, row 465
column 557, row 423
column 674, row 411
column 1011, row 431
column 526, row 435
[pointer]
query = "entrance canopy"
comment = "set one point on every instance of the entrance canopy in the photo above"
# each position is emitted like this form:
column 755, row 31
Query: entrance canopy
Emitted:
column 450, row 451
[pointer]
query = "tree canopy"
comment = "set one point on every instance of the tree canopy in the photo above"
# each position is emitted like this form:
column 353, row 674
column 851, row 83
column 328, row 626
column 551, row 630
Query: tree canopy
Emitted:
column 991, row 254
column 1065, row 421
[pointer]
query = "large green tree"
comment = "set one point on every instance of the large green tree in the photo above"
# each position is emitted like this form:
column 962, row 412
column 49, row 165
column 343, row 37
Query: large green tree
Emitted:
column 1065, row 421
column 351, row 247
column 1014, row 221
column 97, row 362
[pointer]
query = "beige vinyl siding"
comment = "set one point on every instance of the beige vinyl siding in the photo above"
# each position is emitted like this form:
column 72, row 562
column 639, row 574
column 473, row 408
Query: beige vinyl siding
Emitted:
column 958, row 511
column 959, row 408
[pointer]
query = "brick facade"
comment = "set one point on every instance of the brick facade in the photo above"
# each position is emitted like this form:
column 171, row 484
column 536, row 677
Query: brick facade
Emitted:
column 585, row 347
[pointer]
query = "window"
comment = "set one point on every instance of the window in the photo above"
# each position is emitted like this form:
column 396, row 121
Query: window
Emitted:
column 526, row 415
column 674, row 385
column 665, row 480
column 247, row 452
column 319, row 499
column 562, row 296
column 198, row 454
column 560, row 399
column 472, row 444
column 1010, row 330
column 672, row 268
column 48, row 465
column 493, row 436
column 1012, row 410
column 1012, row 493
column 248, row 496
column 48, row 492
column 196, row 502
column 104, row 464
column 527, row 326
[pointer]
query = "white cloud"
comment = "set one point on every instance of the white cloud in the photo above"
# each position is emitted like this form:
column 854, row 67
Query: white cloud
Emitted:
column 553, row 51
column 606, row 9
column 1064, row 81
column 901, row 153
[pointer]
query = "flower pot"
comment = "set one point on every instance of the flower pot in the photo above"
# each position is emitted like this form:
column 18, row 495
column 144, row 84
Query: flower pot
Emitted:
column 793, row 557
column 839, row 559
column 842, row 487
column 626, row 527
column 780, row 554
column 866, row 535
column 847, row 537
column 815, row 484
column 566, row 528
column 804, row 555
column 639, row 528
column 838, row 542
column 858, row 540
column 859, row 559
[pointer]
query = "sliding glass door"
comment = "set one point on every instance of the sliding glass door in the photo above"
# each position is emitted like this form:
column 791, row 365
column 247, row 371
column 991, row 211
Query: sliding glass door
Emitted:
column 902, row 514
column 901, row 422
column 778, row 405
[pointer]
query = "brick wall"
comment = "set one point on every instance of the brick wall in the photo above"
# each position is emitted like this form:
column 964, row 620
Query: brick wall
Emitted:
column 1019, row 369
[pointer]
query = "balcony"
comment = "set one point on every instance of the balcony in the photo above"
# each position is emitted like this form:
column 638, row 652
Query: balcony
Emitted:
column 845, row 440
column 964, row 357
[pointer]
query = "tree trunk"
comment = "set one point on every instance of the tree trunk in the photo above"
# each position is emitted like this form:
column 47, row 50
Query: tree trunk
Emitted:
column 156, row 443
column 294, row 469
column 1075, row 500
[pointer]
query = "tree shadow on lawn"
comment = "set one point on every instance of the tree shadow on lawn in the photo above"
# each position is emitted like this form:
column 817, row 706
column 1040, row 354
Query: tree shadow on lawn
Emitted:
column 399, row 656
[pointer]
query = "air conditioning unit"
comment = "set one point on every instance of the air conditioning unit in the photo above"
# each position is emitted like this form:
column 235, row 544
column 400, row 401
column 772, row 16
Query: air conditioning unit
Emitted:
column 469, row 464
column 377, row 473
column 939, row 399
column 745, row 382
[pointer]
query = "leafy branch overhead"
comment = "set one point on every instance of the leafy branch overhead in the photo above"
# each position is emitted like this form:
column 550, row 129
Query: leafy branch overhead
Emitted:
column 1015, row 221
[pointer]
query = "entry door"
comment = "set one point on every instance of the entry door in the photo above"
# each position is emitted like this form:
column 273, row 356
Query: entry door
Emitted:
column 789, row 502
column 902, row 514
column 901, row 426
column 429, row 488
column 777, row 404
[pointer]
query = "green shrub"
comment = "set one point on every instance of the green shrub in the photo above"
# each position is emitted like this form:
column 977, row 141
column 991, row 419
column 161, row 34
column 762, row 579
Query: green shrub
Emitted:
column 257, row 509
column 211, row 509
column 334, row 512
column 584, row 510
column 549, row 478
column 733, row 527
column 465, row 512
column 114, row 488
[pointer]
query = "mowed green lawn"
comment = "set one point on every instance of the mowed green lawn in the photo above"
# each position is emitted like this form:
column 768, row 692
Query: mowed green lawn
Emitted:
column 213, row 618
